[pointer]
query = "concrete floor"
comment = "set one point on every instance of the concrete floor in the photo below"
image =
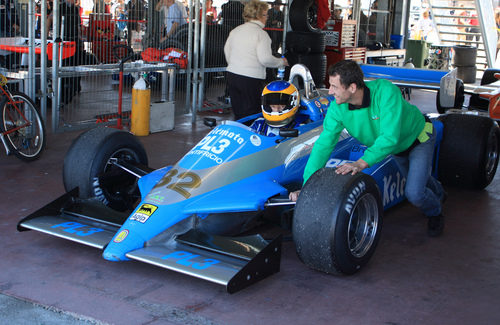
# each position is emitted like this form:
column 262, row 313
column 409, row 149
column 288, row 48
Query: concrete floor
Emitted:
column 411, row 279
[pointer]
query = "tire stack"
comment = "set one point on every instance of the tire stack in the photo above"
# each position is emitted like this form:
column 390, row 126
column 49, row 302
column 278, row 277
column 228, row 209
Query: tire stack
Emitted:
column 464, row 59
column 305, row 44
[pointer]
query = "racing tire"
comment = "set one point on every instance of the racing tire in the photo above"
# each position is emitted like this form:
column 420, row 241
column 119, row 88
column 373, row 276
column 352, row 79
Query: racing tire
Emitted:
column 305, row 42
column 337, row 221
column 469, row 151
column 315, row 62
column 465, row 55
column 466, row 74
column 86, row 166
column 303, row 16
column 459, row 98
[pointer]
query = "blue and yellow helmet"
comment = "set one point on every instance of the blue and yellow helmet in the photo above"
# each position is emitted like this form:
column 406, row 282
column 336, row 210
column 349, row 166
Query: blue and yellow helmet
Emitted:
column 280, row 103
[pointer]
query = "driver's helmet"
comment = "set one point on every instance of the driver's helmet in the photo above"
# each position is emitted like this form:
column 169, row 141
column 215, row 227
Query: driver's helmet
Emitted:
column 283, row 96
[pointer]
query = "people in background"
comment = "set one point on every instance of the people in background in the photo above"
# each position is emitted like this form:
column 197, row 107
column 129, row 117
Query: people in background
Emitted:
column 248, row 53
column 424, row 27
column 474, row 29
column 275, row 21
column 211, row 12
column 136, row 10
column 376, row 114
column 232, row 13
column 337, row 12
column 69, row 20
column 120, row 17
column 9, row 20
column 462, row 21
column 173, row 14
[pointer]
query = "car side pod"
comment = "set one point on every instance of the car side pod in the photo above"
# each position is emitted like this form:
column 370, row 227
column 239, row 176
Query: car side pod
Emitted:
column 235, row 262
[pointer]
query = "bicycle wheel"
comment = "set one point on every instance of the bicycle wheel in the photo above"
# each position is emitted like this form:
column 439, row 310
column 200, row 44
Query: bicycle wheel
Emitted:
column 23, row 127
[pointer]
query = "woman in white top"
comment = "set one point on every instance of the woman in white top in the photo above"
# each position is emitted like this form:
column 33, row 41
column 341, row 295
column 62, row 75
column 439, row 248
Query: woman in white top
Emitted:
column 248, row 54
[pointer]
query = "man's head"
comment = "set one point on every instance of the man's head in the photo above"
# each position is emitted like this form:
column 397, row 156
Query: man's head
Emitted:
column 345, row 78
column 280, row 103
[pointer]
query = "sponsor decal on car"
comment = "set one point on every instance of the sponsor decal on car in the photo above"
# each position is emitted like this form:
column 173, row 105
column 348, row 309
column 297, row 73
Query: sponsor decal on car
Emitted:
column 191, row 260
column 255, row 140
column 77, row 228
column 394, row 187
column 144, row 212
column 121, row 236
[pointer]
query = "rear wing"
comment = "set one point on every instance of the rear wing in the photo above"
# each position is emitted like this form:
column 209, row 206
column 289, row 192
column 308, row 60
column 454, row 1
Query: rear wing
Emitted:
column 444, row 81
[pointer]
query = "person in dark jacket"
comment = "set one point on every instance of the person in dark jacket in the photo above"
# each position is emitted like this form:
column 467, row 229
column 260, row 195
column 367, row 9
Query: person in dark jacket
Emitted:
column 9, row 21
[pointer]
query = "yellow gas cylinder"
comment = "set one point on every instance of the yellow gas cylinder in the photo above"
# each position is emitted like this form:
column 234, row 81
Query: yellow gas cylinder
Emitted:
column 141, row 99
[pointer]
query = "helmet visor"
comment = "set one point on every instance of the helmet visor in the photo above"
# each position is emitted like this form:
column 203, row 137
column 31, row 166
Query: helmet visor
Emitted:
column 276, row 102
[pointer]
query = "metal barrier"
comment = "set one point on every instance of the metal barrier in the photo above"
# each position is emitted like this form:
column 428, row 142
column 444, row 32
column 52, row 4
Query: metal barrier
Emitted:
column 81, row 87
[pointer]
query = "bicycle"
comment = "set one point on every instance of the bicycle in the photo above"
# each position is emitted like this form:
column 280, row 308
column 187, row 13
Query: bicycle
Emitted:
column 22, row 130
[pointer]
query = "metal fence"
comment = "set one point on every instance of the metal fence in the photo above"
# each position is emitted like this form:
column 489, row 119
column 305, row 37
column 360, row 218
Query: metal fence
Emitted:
column 64, row 53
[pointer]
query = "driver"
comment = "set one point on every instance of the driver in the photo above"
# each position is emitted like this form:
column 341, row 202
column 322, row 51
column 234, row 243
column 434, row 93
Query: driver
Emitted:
column 280, row 102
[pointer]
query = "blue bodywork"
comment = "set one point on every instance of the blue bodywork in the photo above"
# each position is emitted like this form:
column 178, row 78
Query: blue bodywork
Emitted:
column 234, row 170
column 189, row 211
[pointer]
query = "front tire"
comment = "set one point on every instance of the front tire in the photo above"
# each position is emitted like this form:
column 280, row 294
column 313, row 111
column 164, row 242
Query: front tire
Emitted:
column 337, row 221
column 87, row 166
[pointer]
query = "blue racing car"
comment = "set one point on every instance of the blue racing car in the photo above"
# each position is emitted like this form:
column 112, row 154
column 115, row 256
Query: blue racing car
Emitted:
column 187, row 217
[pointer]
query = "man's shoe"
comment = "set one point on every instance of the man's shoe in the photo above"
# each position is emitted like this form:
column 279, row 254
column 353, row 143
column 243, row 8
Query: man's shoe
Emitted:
column 435, row 226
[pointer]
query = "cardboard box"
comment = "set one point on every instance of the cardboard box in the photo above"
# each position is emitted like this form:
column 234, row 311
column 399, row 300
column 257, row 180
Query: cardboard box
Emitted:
column 162, row 116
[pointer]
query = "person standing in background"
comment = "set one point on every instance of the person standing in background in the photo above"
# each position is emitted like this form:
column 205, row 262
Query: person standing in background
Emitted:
column 474, row 28
column 462, row 21
column 248, row 53
column 424, row 27
column 232, row 13
column 9, row 21
column 173, row 14
column 136, row 12
column 211, row 12
column 275, row 20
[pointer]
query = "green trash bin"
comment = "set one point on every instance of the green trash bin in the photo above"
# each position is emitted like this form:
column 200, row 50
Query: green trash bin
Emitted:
column 418, row 50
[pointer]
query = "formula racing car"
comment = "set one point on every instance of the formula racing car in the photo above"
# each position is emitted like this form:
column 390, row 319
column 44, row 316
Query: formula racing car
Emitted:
column 188, row 217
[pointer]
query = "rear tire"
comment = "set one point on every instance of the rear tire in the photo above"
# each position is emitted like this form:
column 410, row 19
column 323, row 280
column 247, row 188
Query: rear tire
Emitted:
column 337, row 221
column 469, row 151
column 87, row 166
column 27, row 143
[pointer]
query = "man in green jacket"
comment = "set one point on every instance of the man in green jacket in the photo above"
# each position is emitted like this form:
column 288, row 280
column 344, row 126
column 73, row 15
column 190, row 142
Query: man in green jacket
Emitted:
column 377, row 115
